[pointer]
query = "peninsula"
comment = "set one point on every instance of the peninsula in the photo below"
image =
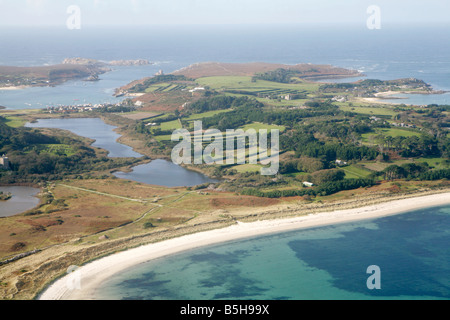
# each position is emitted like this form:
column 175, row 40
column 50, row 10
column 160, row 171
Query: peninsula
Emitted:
column 12, row 77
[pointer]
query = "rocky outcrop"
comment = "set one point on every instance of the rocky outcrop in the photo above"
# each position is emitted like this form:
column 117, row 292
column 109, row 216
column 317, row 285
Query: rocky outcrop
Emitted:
column 81, row 61
column 139, row 62
column 87, row 62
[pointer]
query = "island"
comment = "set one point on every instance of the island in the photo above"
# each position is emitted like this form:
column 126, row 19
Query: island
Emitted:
column 338, row 153
column 5, row 196
column 21, row 77
column 13, row 78
column 85, row 61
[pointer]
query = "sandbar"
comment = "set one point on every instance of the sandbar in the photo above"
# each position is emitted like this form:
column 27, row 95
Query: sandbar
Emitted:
column 13, row 88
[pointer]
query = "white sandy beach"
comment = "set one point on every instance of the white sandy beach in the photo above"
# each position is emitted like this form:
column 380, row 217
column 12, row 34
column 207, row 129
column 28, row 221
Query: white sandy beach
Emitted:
column 381, row 96
column 93, row 274
column 12, row 88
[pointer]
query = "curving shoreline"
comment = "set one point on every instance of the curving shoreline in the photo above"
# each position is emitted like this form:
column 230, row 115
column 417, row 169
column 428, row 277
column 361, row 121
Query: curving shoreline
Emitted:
column 93, row 274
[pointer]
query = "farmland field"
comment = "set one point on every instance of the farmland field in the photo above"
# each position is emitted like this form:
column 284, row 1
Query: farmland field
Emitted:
column 246, row 83
column 353, row 172
column 376, row 111
column 393, row 132
column 171, row 125
column 15, row 122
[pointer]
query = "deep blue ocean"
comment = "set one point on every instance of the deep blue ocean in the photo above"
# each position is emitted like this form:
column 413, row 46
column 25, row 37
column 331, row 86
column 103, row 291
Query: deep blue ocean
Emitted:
column 411, row 250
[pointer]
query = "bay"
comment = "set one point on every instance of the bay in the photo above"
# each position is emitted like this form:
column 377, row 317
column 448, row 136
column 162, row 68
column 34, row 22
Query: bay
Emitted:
column 330, row 262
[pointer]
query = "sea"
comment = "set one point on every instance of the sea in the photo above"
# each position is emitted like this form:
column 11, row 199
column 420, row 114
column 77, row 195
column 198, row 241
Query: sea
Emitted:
column 392, row 52
column 410, row 251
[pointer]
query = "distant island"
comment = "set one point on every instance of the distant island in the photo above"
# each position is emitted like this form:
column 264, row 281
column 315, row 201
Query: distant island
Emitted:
column 84, row 61
column 12, row 77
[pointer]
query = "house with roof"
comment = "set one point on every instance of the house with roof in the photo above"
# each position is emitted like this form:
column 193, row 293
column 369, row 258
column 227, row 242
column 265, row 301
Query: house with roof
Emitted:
column 4, row 163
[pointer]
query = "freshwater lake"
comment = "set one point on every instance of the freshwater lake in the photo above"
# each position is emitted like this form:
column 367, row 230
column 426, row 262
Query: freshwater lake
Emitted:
column 23, row 199
column 93, row 128
column 158, row 172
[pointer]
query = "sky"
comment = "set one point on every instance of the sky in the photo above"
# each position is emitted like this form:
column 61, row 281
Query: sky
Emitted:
column 205, row 12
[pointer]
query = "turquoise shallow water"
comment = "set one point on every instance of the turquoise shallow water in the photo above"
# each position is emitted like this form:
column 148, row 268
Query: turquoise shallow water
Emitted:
column 412, row 251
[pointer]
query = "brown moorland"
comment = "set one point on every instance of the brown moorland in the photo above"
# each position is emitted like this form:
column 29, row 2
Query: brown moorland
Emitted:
column 212, row 69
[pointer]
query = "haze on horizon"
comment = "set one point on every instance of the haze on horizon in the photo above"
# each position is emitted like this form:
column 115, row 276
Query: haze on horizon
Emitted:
column 15, row 13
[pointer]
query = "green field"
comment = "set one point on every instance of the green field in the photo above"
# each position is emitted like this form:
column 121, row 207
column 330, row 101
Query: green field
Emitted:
column 438, row 163
column 15, row 122
column 164, row 138
column 57, row 149
column 247, row 168
column 171, row 125
column 245, row 83
column 207, row 114
column 376, row 111
column 393, row 132
column 354, row 172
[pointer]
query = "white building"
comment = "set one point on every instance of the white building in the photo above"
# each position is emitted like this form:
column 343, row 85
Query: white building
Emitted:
column 308, row 184
column 341, row 163
column 4, row 163
column 197, row 89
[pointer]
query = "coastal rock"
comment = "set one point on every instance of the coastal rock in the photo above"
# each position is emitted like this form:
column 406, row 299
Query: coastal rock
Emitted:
column 81, row 61
column 138, row 62
column 87, row 62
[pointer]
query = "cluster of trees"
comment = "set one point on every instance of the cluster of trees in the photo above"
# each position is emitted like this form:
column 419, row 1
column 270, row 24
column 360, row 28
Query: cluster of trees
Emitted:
column 223, row 103
column 29, row 163
column 282, row 75
column 116, row 109
column 322, row 190
column 435, row 174
column 342, row 130
column 303, row 164
column 420, row 171
column 414, row 146
column 249, row 110
column 323, row 176
column 279, row 75
column 13, row 139
column 306, row 144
